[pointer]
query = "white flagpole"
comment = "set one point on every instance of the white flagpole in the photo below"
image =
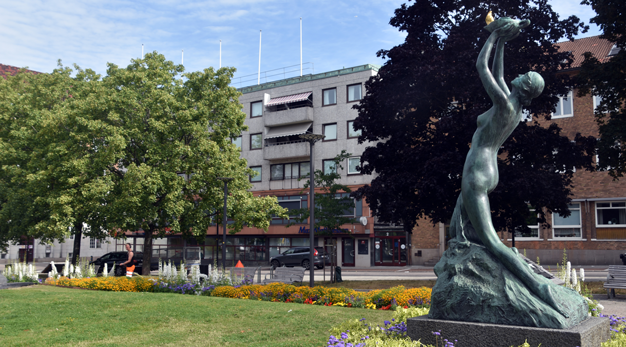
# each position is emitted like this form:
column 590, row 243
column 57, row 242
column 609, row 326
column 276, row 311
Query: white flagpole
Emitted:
column 220, row 54
column 300, row 46
column 259, row 77
column 182, row 57
column 142, row 51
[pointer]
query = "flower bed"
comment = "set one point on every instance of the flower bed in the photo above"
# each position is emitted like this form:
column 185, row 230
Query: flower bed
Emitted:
column 381, row 299
column 115, row 284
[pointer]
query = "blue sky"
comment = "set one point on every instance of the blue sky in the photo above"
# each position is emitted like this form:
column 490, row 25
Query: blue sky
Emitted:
column 336, row 33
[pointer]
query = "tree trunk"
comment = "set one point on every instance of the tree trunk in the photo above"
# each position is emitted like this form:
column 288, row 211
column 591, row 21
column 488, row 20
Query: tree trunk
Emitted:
column 78, row 236
column 147, row 250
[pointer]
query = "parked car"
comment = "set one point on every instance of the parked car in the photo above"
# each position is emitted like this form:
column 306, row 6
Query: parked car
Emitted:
column 120, row 257
column 299, row 256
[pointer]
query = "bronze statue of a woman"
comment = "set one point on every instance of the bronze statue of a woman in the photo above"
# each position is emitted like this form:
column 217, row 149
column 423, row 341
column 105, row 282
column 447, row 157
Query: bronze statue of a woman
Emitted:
column 471, row 221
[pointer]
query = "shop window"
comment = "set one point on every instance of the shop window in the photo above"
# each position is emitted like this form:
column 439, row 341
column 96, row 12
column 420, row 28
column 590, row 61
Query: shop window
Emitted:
column 567, row 226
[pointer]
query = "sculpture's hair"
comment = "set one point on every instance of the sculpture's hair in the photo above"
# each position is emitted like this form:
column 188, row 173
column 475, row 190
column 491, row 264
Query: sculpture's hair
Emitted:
column 531, row 84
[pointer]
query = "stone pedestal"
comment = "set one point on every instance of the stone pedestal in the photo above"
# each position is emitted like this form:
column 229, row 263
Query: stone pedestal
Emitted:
column 590, row 333
column 3, row 281
column 474, row 286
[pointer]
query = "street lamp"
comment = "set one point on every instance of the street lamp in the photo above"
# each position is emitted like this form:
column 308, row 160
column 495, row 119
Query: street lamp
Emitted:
column 311, row 139
column 225, row 180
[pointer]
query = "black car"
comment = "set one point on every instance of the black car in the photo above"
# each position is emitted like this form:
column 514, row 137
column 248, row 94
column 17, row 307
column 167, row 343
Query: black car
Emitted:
column 299, row 256
column 117, row 258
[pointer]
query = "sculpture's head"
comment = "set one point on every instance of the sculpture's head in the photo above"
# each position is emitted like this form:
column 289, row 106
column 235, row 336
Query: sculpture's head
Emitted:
column 530, row 86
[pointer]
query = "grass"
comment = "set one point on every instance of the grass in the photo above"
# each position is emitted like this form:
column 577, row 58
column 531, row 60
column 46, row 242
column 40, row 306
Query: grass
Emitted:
column 54, row 316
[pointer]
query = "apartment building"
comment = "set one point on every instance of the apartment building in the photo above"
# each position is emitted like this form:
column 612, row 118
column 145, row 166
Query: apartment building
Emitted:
column 277, row 113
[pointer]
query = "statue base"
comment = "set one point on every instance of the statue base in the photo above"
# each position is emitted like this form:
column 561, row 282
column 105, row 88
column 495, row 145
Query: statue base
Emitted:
column 590, row 333
column 474, row 286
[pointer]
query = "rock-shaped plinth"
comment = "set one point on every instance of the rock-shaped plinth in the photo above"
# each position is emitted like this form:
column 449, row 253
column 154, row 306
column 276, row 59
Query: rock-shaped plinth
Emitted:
column 474, row 286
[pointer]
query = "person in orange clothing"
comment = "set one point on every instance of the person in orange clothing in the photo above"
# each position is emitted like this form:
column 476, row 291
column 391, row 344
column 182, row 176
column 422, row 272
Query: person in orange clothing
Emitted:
column 130, row 263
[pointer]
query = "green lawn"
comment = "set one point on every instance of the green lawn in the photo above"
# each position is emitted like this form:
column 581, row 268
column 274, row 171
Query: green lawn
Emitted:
column 53, row 316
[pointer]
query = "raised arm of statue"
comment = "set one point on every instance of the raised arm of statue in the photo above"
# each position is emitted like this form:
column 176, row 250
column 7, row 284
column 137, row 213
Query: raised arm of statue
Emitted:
column 496, row 93
column 497, row 67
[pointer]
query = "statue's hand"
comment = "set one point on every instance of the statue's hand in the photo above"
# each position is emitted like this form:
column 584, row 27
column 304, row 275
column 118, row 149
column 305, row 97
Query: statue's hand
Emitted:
column 507, row 32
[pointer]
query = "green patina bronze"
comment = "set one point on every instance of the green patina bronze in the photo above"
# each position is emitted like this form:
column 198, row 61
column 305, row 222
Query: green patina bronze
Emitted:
column 509, row 287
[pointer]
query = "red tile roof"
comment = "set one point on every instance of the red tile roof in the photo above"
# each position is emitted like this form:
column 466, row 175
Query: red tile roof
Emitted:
column 12, row 70
column 594, row 44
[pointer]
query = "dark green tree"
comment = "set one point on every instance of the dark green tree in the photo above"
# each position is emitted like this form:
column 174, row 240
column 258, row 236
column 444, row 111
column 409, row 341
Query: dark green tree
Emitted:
column 421, row 110
column 606, row 78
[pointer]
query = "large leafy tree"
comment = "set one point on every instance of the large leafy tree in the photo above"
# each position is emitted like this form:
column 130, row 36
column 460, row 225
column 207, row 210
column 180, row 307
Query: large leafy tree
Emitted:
column 607, row 79
column 53, row 156
column 177, row 129
column 421, row 110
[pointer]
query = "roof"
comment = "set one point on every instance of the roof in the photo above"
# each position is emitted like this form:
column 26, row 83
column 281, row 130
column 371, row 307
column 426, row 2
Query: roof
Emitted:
column 307, row 78
column 12, row 70
column 600, row 48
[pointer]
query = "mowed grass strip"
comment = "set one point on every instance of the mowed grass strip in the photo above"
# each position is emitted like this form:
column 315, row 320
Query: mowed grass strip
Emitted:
column 54, row 316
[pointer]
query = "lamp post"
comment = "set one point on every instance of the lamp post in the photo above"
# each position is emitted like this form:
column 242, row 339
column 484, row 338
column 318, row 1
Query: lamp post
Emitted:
column 225, row 180
column 311, row 139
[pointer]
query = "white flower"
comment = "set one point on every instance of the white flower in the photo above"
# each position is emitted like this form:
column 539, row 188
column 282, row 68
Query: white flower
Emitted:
column 574, row 279
column 568, row 272
column 105, row 272
column 582, row 274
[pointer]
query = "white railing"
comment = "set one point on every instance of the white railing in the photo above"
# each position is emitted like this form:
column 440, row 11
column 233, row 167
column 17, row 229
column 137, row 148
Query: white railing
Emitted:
column 273, row 75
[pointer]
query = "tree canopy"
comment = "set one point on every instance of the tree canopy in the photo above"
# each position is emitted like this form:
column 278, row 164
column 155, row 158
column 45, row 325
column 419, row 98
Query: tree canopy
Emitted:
column 53, row 156
column 606, row 78
column 139, row 149
column 421, row 110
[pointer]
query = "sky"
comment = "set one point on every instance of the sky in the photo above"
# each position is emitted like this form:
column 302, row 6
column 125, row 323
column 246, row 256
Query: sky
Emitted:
column 91, row 33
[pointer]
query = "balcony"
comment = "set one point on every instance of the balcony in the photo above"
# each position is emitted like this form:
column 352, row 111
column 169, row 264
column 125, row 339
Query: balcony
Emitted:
column 286, row 150
column 290, row 116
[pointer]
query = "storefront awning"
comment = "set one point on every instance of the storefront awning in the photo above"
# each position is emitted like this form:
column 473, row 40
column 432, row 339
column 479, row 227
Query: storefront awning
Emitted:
column 288, row 130
column 289, row 99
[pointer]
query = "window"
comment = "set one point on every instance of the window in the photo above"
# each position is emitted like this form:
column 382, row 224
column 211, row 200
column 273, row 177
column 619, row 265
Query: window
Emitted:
column 565, row 107
column 236, row 141
column 289, row 171
column 3, row 255
column 329, row 166
column 329, row 97
column 532, row 224
column 256, row 109
column 354, row 92
column 94, row 243
column 353, row 166
column 351, row 131
column 610, row 214
column 330, row 131
column 256, row 141
column 258, row 177
column 290, row 203
column 567, row 226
